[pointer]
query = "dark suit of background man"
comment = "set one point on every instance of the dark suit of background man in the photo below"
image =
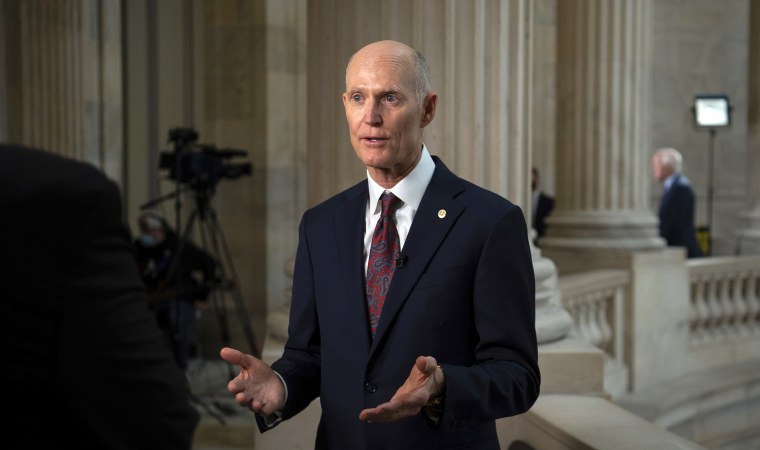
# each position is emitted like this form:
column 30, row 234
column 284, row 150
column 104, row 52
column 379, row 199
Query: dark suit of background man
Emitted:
column 542, row 205
column 84, row 364
column 455, row 346
column 678, row 202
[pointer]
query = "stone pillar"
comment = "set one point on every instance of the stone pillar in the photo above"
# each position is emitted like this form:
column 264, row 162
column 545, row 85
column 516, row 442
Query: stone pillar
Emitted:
column 601, row 211
column 748, row 237
column 63, row 76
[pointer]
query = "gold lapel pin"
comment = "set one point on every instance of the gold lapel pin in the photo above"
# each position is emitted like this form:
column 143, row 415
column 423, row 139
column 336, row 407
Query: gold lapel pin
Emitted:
column 441, row 213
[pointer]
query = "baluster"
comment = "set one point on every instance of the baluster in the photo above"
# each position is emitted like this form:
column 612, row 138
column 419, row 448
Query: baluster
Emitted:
column 713, row 305
column 602, row 318
column 740, row 303
column 594, row 333
column 753, row 301
column 700, row 309
column 571, row 306
column 583, row 332
column 618, row 327
column 727, row 312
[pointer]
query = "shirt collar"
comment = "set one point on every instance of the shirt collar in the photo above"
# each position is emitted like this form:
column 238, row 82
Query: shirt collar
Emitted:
column 411, row 188
column 669, row 181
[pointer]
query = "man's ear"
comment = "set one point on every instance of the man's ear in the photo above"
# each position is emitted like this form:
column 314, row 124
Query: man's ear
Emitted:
column 428, row 110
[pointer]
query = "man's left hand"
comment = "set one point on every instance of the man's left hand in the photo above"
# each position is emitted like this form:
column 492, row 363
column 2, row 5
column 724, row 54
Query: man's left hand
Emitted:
column 425, row 382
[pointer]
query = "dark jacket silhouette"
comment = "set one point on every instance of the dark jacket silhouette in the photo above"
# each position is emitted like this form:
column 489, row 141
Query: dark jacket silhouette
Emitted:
column 84, row 364
column 677, row 216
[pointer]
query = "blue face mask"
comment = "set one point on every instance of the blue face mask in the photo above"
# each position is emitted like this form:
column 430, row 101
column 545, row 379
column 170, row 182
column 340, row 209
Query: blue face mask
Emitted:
column 147, row 240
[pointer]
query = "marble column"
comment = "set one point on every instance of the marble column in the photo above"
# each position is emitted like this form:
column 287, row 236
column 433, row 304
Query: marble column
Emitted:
column 63, row 65
column 601, row 212
column 748, row 236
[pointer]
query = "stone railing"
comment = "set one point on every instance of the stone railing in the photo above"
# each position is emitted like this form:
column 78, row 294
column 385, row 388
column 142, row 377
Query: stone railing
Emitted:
column 595, row 301
column 725, row 298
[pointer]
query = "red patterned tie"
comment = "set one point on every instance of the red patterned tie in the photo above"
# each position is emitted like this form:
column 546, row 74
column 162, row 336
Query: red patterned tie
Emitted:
column 382, row 256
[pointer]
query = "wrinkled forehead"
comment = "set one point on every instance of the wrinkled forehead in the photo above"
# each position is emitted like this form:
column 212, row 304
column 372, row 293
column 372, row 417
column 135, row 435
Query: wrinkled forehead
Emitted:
column 382, row 50
column 392, row 65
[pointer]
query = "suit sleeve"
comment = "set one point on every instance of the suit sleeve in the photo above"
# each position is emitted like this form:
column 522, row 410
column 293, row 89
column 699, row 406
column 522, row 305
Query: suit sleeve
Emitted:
column 300, row 365
column 505, row 379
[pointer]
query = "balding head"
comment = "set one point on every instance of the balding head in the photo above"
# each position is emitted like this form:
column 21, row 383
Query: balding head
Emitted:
column 665, row 162
column 404, row 55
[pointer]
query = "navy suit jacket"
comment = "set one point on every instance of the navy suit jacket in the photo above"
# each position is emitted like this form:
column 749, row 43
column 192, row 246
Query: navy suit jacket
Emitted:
column 466, row 295
column 677, row 216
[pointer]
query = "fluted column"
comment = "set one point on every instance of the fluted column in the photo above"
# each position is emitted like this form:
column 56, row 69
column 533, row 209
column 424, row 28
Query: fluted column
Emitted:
column 63, row 72
column 749, row 235
column 604, row 56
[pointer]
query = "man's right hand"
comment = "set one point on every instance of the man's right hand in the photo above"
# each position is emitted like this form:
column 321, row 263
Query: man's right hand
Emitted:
column 257, row 386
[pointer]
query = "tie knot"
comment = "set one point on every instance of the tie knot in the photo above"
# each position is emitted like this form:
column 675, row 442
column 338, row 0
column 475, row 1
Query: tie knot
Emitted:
column 389, row 203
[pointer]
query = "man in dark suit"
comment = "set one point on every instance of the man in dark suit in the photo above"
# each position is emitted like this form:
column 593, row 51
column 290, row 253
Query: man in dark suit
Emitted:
column 677, row 203
column 84, row 363
column 455, row 345
column 542, row 205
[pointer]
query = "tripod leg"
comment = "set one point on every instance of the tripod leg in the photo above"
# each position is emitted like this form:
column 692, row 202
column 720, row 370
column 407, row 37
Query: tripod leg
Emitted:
column 216, row 237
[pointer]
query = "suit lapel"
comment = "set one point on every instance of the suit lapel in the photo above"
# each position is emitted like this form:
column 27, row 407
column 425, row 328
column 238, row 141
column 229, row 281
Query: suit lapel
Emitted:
column 436, row 215
column 349, row 227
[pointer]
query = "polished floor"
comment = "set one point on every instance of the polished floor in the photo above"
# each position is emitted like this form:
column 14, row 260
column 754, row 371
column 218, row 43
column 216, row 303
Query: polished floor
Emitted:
column 224, row 424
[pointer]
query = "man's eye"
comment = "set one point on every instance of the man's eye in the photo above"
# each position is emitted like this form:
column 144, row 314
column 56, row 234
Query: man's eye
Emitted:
column 390, row 98
column 356, row 97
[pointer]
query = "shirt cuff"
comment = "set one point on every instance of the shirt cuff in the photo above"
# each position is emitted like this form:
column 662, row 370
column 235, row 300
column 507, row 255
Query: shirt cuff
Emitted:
column 276, row 417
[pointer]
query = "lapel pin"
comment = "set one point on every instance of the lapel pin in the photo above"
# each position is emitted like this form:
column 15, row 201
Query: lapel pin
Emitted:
column 441, row 213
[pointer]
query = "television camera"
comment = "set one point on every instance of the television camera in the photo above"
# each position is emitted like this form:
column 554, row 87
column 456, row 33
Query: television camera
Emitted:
column 200, row 165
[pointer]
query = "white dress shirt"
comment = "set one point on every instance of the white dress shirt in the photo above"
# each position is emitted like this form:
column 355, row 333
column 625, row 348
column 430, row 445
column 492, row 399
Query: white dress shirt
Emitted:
column 410, row 190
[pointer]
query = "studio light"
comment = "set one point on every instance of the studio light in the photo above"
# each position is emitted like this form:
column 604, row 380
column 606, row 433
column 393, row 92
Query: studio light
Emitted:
column 712, row 111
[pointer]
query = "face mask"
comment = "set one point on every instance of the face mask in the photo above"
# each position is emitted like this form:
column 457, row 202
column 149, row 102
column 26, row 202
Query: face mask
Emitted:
column 147, row 240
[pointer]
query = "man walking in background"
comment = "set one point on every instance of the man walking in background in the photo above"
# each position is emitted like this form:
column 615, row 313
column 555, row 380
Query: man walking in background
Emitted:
column 678, row 202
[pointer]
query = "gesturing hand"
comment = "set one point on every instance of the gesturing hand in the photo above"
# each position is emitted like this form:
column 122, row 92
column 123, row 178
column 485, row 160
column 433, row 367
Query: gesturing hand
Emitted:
column 425, row 381
column 256, row 386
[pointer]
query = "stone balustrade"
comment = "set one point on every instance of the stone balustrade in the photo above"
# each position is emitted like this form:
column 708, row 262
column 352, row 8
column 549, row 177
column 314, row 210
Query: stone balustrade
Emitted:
column 725, row 298
column 595, row 301
column 707, row 336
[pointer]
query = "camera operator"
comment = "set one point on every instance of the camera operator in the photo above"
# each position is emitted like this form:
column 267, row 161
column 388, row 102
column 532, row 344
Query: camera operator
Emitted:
column 178, row 276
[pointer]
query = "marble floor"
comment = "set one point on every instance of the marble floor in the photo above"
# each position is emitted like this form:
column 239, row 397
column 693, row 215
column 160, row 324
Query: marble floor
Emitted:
column 224, row 424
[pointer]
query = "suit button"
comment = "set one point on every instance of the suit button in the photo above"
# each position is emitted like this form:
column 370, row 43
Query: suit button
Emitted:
column 457, row 424
column 370, row 388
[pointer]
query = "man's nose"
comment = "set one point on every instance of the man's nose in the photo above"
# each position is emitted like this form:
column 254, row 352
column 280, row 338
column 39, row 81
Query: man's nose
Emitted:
column 372, row 114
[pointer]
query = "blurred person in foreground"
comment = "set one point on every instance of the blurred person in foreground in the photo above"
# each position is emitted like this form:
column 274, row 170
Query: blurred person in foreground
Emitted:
column 444, row 342
column 678, row 201
column 84, row 364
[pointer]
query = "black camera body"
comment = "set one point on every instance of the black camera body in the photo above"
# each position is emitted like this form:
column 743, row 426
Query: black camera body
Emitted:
column 200, row 165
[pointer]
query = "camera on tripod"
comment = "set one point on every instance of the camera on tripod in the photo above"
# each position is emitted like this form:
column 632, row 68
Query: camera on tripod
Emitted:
column 200, row 165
